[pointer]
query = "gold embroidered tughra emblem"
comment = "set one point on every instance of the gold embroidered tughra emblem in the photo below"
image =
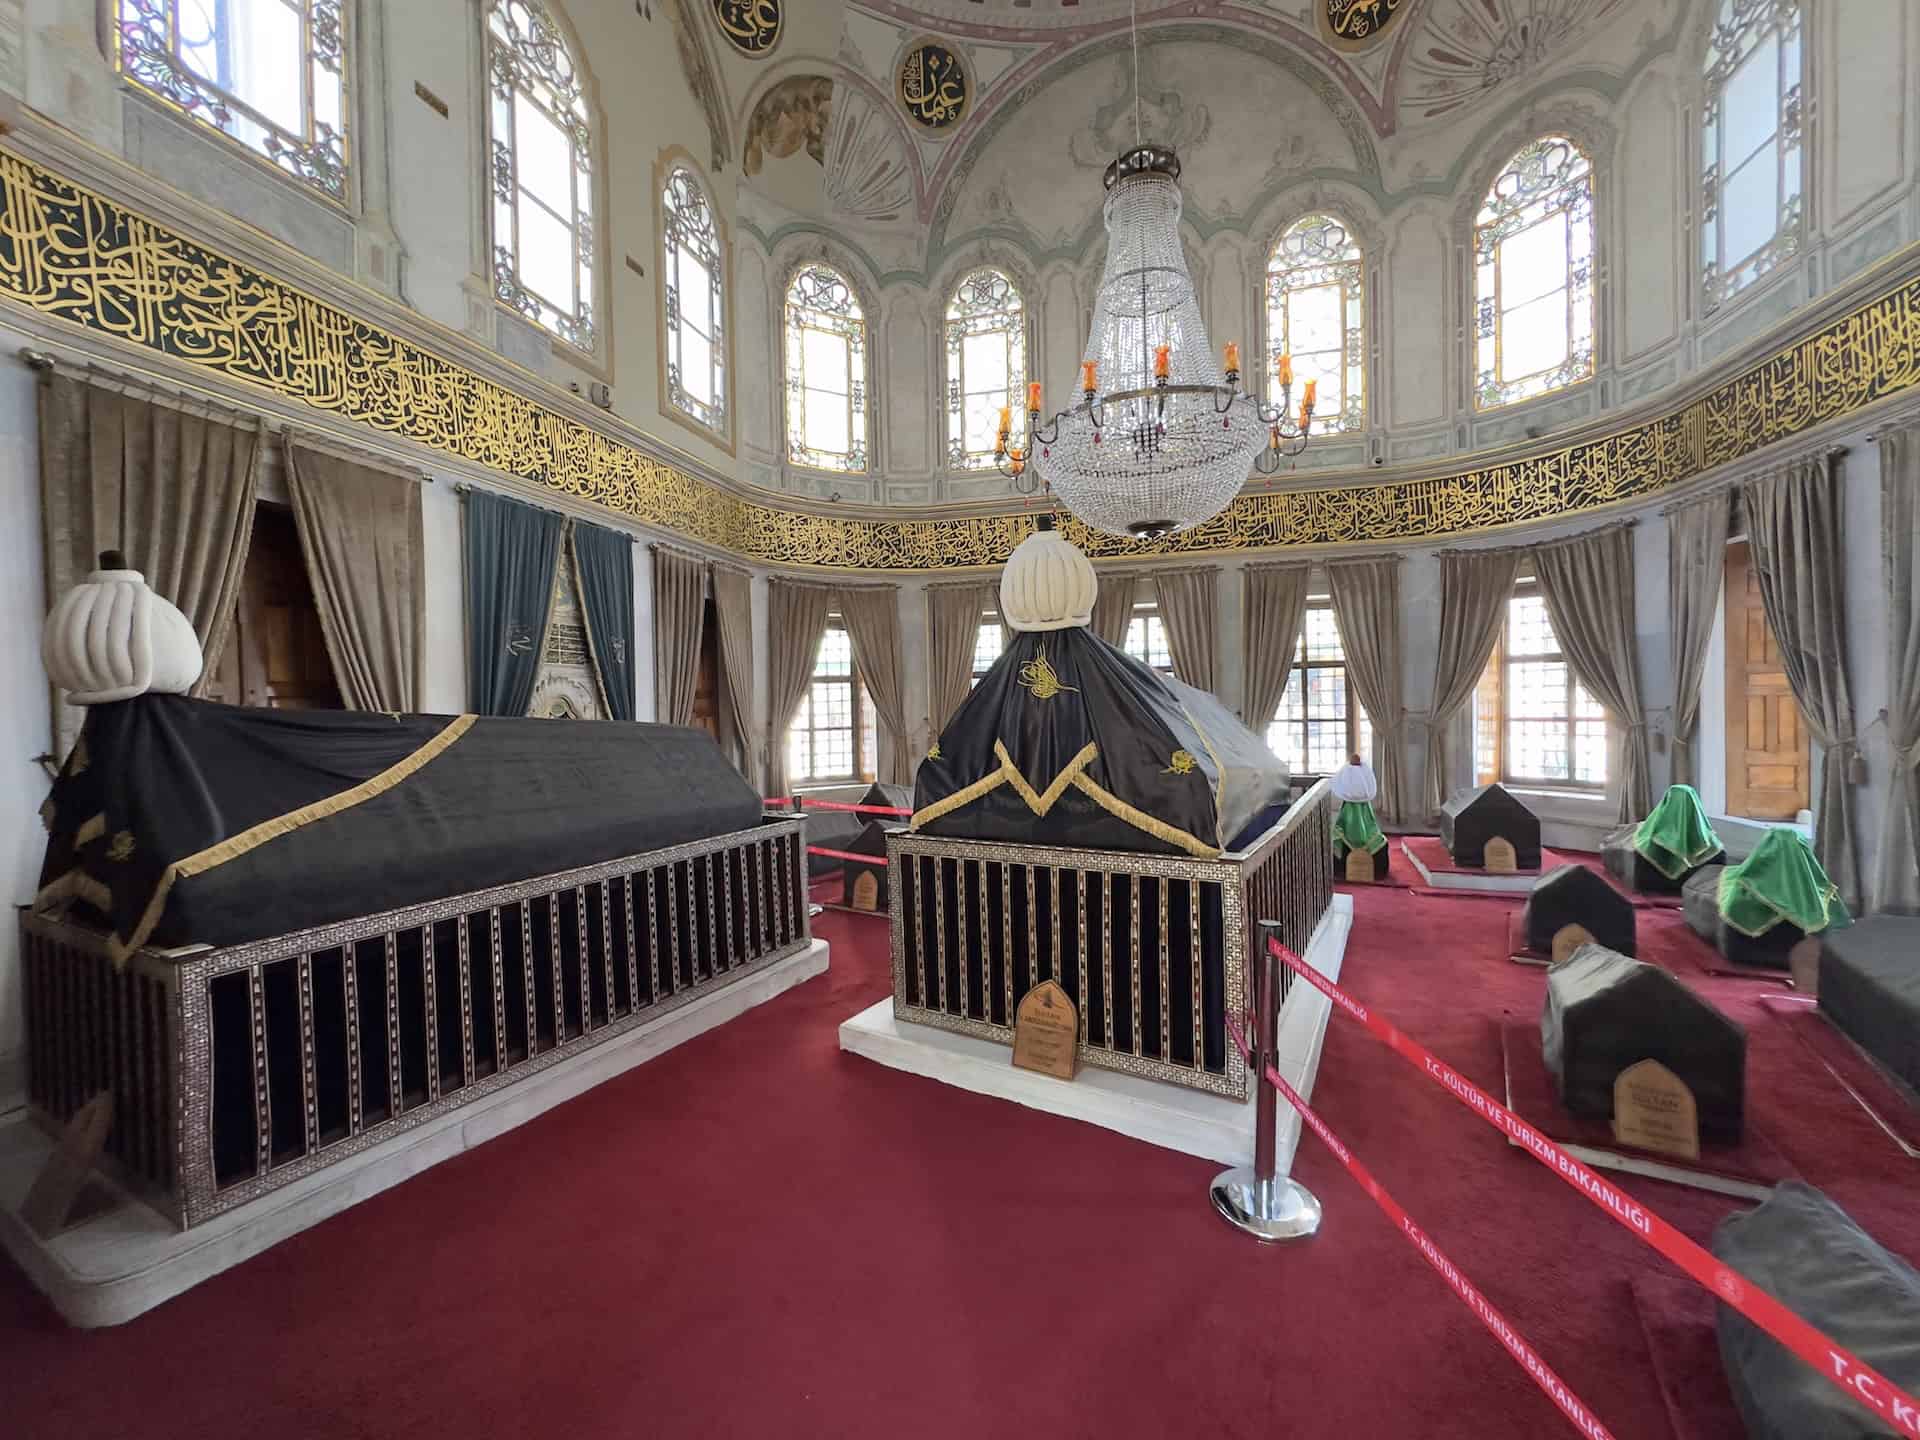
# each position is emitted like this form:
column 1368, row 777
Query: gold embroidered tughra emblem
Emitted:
column 122, row 846
column 933, row 751
column 1038, row 675
column 1181, row 762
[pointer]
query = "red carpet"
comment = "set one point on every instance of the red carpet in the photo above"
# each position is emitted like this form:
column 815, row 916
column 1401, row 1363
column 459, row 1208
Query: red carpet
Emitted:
column 758, row 1235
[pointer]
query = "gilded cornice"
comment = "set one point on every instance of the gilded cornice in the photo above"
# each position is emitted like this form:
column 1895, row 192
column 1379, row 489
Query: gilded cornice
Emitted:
column 70, row 253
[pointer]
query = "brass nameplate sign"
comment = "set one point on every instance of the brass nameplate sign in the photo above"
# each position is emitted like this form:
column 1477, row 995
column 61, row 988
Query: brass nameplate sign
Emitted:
column 1499, row 856
column 866, row 891
column 1653, row 1110
column 1360, row 865
column 1046, row 1032
column 1569, row 938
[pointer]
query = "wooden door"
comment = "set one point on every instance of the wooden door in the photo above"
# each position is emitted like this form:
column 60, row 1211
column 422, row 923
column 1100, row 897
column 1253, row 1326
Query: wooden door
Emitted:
column 276, row 655
column 706, row 689
column 1767, row 753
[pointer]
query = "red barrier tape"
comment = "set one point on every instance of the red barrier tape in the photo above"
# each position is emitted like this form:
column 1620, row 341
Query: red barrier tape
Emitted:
column 855, row 809
column 1555, row 1389
column 846, row 855
column 1857, row 1379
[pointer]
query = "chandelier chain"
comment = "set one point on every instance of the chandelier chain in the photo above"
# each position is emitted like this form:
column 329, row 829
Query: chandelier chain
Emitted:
column 1133, row 24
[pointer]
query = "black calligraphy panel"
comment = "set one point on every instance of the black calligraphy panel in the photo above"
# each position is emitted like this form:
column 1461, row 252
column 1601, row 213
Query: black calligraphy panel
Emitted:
column 751, row 26
column 1353, row 24
column 934, row 88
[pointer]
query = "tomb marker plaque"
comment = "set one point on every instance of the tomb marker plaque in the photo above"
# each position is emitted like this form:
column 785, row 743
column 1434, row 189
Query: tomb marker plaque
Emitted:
column 1499, row 857
column 1569, row 938
column 1360, row 866
column 1654, row 1110
column 1046, row 1032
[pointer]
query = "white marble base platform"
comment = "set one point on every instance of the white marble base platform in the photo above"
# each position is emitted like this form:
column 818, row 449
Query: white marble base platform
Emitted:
column 108, row 1269
column 1212, row 1127
column 1484, row 881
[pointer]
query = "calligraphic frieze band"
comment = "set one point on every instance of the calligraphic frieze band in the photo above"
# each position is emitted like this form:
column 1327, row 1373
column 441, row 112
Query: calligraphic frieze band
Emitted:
column 70, row 253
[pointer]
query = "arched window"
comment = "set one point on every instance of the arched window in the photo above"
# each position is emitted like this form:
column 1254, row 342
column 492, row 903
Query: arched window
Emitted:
column 271, row 74
column 1750, row 188
column 826, row 371
column 1316, row 311
column 691, row 268
column 542, row 167
column 986, row 365
column 1533, row 275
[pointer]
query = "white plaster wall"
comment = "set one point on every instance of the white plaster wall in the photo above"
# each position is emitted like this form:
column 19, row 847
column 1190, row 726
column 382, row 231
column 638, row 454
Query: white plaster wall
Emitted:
column 446, row 630
column 25, row 722
column 1649, row 196
column 437, row 206
column 1415, row 362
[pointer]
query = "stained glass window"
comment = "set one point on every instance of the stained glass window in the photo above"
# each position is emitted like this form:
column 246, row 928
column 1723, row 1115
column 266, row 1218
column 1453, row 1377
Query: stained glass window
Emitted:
column 1146, row 638
column 988, row 642
column 272, row 74
column 986, row 366
column 696, row 329
column 834, row 734
column 1750, row 188
column 1320, row 722
column 542, row 171
column 1316, row 312
column 1533, row 275
column 826, row 371
column 1550, row 730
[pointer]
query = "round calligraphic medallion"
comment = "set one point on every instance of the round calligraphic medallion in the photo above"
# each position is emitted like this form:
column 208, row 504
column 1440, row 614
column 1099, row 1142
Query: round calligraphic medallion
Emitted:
column 1356, row 24
column 934, row 88
column 751, row 26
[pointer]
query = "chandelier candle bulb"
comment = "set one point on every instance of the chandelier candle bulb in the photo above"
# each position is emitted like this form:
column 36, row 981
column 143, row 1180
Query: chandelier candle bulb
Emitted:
column 1162, row 361
column 1033, row 397
column 1088, row 370
column 1233, row 358
column 1312, row 387
column 1285, row 366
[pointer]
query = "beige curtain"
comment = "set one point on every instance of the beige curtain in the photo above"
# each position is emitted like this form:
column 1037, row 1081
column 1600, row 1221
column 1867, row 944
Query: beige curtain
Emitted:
column 796, row 614
column 1794, row 533
column 1896, row 884
column 733, row 606
column 872, row 613
column 1696, row 567
column 360, row 531
column 1191, row 615
column 953, row 625
column 1475, row 586
column 1366, row 606
column 1113, row 604
column 1275, row 606
column 1587, row 583
column 679, row 613
column 172, row 489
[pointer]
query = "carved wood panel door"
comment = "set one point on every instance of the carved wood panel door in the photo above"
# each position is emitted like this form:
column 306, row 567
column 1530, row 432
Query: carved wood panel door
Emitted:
column 276, row 655
column 1768, row 764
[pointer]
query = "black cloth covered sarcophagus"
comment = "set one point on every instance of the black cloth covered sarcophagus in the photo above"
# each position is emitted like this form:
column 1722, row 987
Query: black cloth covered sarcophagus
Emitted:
column 1700, row 905
column 1870, row 988
column 1575, row 895
column 864, row 882
column 1606, row 1011
column 179, row 821
column 1803, row 1250
column 830, row 830
column 1471, row 819
column 1070, row 741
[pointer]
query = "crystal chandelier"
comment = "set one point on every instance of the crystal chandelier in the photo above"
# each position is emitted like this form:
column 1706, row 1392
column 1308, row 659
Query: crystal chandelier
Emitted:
column 1168, row 442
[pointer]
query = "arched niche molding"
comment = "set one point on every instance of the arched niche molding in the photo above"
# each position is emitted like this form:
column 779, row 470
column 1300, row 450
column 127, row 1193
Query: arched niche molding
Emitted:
column 670, row 159
column 1597, row 138
column 786, row 260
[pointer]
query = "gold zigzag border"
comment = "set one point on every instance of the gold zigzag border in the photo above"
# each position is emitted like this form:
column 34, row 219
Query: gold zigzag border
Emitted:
column 68, row 252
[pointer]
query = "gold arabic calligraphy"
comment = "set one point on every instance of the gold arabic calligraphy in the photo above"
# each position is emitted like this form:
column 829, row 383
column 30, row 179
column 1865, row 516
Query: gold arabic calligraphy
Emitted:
column 1359, row 19
column 751, row 25
column 68, row 252
column 933, row 86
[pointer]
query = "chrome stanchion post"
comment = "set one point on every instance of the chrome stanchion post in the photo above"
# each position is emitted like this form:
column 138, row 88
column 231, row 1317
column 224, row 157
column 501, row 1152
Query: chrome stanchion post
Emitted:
column 1260, row 1201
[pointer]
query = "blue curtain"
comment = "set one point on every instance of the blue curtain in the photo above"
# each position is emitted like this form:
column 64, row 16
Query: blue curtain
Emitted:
column 511, row 553
column 603, row 559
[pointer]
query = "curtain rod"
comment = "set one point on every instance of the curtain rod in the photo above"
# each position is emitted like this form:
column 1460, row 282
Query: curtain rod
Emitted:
column 45, row 362
column 463, row 487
